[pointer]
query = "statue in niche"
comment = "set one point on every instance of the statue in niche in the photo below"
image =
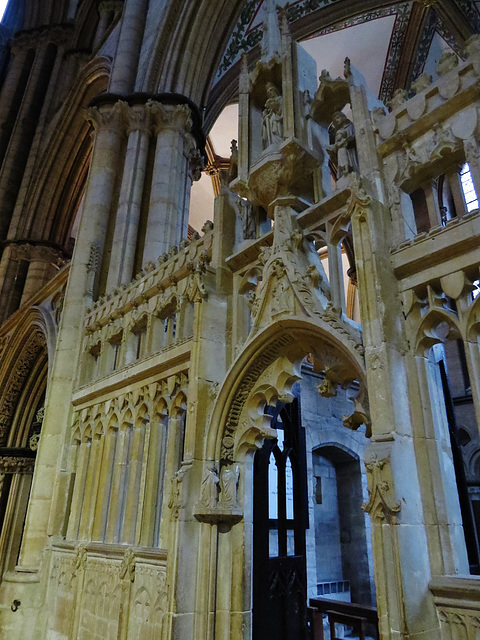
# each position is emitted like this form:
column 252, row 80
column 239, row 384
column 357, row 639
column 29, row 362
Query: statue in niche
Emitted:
column 209, row 491
column 272, row 117
column 343, row 148
column 228, row 486
column 245, row 209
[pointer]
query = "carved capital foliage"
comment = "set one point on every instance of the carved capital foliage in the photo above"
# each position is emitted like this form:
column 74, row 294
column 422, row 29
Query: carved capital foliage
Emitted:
column 166, row 116
column 13, row 464
column 37, row 252
column 447, row 62
column 136, row 118
column 107, row 117
column 381, row 505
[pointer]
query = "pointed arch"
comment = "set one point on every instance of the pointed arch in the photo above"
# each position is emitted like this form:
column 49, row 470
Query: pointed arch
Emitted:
column 291, row 340
column 56, row 191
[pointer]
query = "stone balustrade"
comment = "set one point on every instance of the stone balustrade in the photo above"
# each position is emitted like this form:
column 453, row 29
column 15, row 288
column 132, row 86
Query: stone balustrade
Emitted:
column 428, row 142
column 153, row 313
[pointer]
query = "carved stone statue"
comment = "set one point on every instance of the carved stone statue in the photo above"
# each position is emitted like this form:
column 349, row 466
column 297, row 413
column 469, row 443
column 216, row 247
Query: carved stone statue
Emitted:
column 272, row 117
column 228, row 485
column 233, row 166
column 344, row 148
column 208, row 496
column 245, row 209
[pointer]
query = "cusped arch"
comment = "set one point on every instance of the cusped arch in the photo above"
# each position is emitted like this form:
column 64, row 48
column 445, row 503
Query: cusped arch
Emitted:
column 24, row 381
column 283, row 344
column 472, row 322
column 437, row 326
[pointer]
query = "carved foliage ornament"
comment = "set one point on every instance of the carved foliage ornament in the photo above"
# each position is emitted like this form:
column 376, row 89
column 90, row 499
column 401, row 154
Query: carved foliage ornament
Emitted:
column 16, row 381
column 381, row 505
column 253, row 373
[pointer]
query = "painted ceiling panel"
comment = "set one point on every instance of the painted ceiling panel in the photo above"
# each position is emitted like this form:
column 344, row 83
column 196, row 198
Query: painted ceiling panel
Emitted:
column 365, row 44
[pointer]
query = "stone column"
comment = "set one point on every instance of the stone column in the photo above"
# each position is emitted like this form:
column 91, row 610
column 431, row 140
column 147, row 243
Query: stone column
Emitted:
column 177, row 163
column 23, row 133
column 131, row 194
column 12, row 90
column 105, row 9
column 125, row 65
column 50, row 483
column 43, row 260
column 402, row 541
column 453, row 178
column 433, row 205
column 51, row 72
column 336, row 276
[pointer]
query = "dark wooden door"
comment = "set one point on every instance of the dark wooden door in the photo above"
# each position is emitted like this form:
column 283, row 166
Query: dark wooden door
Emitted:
column 280, row 521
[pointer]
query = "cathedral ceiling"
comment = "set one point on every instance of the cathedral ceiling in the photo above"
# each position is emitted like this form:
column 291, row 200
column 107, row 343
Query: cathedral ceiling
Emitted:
column 399, row 49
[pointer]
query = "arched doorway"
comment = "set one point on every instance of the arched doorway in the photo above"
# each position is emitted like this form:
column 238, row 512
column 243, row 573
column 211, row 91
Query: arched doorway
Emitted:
column 311, row 538
column 280, row 520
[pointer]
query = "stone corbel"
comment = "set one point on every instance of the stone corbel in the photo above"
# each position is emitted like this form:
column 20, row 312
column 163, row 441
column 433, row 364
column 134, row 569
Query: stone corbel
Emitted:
column 360, row 415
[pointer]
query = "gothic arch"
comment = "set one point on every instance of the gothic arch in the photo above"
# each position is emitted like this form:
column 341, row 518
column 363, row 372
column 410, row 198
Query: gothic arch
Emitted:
column 65, row 162
column 283, row 344
column 25, row 379
column 204, row 27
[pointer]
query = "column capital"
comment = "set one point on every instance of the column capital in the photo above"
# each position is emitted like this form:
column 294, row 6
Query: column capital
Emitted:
column 107, row 116
column 58, row 34
column 136, row 117
column 168, row 100
column 168, row 116
column 110, row 5
column 33, row 252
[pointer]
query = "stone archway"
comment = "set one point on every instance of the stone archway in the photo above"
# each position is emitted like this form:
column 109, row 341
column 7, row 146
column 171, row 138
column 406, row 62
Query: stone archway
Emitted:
column 262, row 375
column 22, row 398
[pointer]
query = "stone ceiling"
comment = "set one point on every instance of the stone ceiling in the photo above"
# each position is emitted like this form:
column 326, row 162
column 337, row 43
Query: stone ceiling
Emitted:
column 413, row 27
